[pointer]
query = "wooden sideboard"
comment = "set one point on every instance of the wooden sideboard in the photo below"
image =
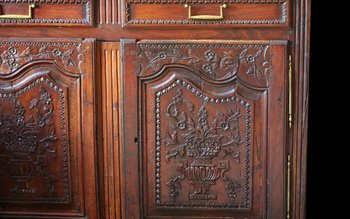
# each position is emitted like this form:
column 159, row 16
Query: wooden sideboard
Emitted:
column 154, row 109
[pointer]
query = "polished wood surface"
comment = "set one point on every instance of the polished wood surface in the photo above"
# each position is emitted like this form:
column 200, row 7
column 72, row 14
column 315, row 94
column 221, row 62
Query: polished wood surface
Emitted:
column 111, row 116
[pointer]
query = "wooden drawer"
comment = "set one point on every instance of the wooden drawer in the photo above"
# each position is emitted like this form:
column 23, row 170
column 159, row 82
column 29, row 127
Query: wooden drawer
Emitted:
column 46, row 12
column 174, row 13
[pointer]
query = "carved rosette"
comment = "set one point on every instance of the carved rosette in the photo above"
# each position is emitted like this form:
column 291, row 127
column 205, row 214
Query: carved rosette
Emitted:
column 202, row 149
column 33, row 148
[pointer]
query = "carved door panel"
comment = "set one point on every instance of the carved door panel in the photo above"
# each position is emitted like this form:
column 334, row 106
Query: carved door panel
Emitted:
column 204, row 129
column 47, row 164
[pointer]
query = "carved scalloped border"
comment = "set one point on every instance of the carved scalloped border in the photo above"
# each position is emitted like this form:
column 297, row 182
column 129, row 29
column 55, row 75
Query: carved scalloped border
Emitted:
column 246, row 203
column 86, row 20
column 188, row 44
column 281, row 20
column 65, row 167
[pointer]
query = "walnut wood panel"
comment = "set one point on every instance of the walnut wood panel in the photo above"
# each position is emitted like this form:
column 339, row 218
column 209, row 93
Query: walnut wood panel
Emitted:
column 170, row 13
column 108, row 126
column 47, row 160
column 48, row 12
column 206, row 129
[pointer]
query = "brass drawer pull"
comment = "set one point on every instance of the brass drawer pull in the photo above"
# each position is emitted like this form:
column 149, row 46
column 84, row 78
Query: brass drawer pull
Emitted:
column 19, row 16
column 204, row 16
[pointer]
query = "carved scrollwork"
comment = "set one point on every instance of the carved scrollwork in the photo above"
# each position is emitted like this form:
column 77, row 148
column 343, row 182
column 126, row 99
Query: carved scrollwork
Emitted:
column 13, row 55
column 217, row 62
column 204, row 146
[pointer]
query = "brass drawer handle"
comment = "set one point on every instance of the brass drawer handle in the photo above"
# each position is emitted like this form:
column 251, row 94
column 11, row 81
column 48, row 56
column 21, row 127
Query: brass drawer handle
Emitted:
column 19, row 16
column 204, row 16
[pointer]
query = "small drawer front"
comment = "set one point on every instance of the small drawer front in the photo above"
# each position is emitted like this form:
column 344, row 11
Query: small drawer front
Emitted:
column 211, row 13
column 46, row 13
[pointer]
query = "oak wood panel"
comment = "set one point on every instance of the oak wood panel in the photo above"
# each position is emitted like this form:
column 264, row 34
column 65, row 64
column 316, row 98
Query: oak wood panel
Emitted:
column 48, row 13
column 108, row 126
column 206, row 131
column 48, row 165
column 172, row 13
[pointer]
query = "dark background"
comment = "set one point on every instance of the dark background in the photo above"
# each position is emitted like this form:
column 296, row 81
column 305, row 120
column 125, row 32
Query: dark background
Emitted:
column 328, row 159
column 315, row 166
column 313, row 162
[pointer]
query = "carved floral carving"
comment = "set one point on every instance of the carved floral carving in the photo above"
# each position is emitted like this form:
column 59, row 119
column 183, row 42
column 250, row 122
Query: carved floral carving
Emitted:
column 14, row 55
column 217, row 62
column 205, row 146
column 28, row 140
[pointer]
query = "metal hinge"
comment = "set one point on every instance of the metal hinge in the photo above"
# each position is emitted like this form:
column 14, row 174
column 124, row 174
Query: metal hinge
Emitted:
column 289, row 172
column 290, row 94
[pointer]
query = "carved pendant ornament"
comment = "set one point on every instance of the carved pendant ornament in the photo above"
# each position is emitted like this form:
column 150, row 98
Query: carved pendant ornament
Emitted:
column 202, row 149
column 33, row 150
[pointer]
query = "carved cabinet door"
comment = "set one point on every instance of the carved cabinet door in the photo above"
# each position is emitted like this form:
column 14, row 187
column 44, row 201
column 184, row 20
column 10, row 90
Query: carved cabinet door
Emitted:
column 47, row 158
column 204, row 129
